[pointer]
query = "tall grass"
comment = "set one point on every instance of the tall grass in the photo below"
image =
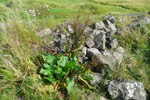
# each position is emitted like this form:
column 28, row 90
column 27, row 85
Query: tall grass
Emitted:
column 18, row 76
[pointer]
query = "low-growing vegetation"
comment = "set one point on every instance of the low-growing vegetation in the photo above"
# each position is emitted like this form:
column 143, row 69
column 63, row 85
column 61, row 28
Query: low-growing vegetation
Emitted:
column 30, row 71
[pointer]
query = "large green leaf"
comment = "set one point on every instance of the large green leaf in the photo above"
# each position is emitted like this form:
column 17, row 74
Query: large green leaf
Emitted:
column 50, row 59
column 47, row 66
column 69, row 84
column 45, row 72
column 63, row 60
column 51, row 79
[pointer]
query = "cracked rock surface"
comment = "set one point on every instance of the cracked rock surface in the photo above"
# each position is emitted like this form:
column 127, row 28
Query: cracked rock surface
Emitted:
column 126, row 90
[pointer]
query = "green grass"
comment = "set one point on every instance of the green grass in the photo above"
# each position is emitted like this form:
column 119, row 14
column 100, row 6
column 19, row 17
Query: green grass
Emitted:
column 18, row 70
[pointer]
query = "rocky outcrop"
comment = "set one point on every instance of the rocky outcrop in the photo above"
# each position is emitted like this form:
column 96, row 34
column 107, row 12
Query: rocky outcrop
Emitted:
column 140, row 21
column 126, row 90
column 99, row 46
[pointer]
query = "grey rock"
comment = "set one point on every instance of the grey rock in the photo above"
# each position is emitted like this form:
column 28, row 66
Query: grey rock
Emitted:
column 91, row 52
column 110, row 18
column 70, row 29
column 100, row 26
column 102, row 98
column 86, row 59
column 95, row 32
column 105, row 25
column 44, row 32
column 106, row 60
column 90, row 42
column 126, row 90
column 10, row 4
column 145, row 20
column 63, row 44
column 120, row 50
column 110, row 27
column 134, row 24
column 118, row 56
column 81, row 60
column 87, row 29
column 100, row 41
column 96, row 79
column 61, row 36
column 84, row 51
column 139, row 22
column 114, row 44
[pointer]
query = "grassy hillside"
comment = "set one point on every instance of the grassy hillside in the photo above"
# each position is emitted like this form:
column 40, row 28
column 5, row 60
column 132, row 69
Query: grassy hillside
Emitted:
column 18, row 58
column 59, row 10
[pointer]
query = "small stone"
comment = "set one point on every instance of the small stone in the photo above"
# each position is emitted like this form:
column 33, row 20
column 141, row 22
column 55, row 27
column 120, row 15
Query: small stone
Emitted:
column 89, row 42
column 110, row 27
column 120, row 50
column 43, row 32
column 100, row 41
column 110, row 18
column 96, row 79
column 114, row 44
column 84, row 51
column 92, row 52
column 118, row 56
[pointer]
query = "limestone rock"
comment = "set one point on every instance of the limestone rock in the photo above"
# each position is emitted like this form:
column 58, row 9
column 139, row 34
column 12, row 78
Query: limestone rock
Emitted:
column 96, row 79
column 100, row 41
column 106, row 60
column 145, row 20
column 118, row 56
column 44, row 32
column 110, row 18
column 110, row 27
column 91, row 52
column 126, row 90
column 90, row 42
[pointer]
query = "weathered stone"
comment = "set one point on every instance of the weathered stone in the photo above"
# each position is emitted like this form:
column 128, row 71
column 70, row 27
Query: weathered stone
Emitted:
column 86, row 60
column 118, row 56
column 100, row 41
column 84, row 51
column 10, row 4
column 61, row 36
column 110, row 27
column 90, row 42
column 134, row 24
column 126, row 90
column 102, row 98
column 110, row 18
column 99, row 26
column 106, row 60
column 63, row 44
column 87, row 29
column 120, row 50
column 96, row 32
column 96, row 79
column 145, row 20
column 92, row 52
column 43, row 32
column 114, row 44
column 80, row 60
column 69, row 28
